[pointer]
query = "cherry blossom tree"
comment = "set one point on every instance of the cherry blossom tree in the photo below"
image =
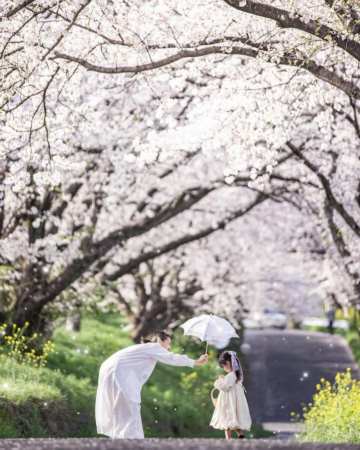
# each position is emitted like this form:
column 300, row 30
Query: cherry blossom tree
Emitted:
column 47, row 45
column 74, row 230
column 120, row 96
column 154, row 298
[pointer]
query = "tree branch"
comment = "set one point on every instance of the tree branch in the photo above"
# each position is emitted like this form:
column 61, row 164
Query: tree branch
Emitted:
column 342, row 248
column 62, row 35
column 93, row 251
column 286, row 19
column 18, row 8
column 339, row 207
column 311, row 66
column 188, row 238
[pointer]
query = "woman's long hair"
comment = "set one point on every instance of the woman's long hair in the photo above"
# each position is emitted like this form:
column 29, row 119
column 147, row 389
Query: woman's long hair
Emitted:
column 162, row 335
column 232, row 358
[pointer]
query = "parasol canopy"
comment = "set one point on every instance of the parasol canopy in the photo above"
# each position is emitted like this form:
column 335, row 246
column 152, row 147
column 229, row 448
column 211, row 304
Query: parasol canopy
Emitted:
column 209, row 328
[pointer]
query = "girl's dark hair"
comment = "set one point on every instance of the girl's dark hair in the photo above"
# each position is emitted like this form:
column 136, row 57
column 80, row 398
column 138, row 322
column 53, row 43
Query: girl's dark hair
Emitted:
column 161, row 334
column 226, row 357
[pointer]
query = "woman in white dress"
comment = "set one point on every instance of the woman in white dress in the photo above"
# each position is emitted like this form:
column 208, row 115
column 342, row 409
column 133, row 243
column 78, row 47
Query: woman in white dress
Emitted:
column 231, row 411
column 121, row 377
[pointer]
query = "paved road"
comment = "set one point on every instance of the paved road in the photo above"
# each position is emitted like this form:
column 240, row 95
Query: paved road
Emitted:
column 283, row 368
column 163, row 444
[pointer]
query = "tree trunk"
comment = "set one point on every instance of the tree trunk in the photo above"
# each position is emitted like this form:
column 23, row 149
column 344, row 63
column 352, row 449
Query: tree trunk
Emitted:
column 3, row 317
column 73, row 322
column 29, row 312
column 148, row 323
column 142, row 329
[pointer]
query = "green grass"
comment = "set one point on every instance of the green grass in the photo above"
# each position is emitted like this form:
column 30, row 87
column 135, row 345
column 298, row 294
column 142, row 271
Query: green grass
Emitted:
column 59, row 400
column 81, row 354
column 354, row 342
column 42, row 402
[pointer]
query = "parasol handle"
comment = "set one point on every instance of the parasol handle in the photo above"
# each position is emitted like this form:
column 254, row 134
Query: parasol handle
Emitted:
column 206, row 349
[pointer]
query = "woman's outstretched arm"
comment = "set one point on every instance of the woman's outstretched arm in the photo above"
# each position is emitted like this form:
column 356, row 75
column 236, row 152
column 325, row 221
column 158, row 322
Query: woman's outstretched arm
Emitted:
column 162, row 355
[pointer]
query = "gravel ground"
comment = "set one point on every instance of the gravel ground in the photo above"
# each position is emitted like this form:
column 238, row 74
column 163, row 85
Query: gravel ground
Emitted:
column 163, row 444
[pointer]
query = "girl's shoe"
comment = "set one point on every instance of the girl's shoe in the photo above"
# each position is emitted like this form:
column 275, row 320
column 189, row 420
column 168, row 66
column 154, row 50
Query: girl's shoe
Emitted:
column 240, row 434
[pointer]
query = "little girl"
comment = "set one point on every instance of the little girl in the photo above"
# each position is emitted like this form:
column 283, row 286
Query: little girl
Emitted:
column 231, row 408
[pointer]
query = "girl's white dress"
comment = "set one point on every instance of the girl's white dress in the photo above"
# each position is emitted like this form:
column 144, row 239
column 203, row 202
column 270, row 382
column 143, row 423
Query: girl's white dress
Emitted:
column 231, row 410
column 121, row 377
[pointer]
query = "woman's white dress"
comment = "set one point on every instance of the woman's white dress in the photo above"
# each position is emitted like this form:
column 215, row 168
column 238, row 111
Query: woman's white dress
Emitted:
column 231, row 410
column 121, row 378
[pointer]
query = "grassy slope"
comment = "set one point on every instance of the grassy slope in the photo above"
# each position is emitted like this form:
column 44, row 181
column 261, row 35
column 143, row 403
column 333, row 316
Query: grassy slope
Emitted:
column 354, row 342
column 42, row 402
